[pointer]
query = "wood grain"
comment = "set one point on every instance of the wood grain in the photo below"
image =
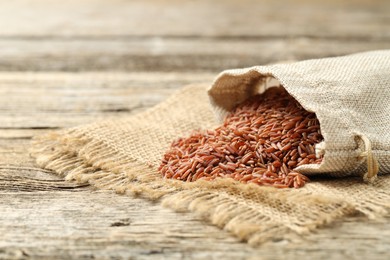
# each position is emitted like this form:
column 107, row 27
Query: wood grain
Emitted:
column 266, row 18
column 73, row 62
column 175, row 35
column 169, row 54
column 45, row 217
column 53, row 100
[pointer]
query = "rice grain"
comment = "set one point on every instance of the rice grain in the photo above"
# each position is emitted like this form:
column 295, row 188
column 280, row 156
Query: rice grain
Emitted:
column 261, row 141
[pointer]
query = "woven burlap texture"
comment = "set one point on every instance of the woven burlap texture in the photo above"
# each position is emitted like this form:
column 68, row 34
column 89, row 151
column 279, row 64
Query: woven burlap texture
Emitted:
column 350, row 96
column 124, row 154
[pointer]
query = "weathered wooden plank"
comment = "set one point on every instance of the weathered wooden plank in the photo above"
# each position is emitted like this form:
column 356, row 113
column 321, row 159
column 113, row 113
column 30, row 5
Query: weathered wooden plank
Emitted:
column 38, row 100
column 19, row 134
column 45, row 217
column 169, row 54
column 63, row 224
column 199, row 36
column 103, row 225
column 357, row 18
column 11, row 183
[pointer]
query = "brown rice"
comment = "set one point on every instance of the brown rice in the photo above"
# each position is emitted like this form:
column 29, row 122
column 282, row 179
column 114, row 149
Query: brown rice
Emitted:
column 260, row 142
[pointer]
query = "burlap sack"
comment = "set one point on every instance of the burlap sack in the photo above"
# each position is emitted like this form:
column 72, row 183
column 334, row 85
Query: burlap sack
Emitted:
column 124, row 154
column 349, row 95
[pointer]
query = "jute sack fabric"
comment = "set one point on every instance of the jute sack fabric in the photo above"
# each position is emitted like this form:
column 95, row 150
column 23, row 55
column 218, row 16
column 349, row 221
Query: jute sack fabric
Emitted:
column 123, row 155
column 350, row 96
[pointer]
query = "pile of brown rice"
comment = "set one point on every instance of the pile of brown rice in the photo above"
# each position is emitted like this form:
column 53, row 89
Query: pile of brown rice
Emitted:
column 260, row 142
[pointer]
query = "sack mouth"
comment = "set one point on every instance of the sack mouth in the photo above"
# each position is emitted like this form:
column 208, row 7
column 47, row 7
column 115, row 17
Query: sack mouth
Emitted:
column 224, row 100
column 238, row 87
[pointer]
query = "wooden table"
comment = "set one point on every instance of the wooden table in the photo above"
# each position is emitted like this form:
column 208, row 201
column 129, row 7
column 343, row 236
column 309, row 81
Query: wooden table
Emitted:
column 65, row 63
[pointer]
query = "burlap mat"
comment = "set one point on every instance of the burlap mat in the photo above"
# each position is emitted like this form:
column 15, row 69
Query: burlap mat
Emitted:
column 123, row 155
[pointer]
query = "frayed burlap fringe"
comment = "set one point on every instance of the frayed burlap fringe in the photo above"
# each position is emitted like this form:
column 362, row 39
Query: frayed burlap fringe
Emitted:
column 123, row 155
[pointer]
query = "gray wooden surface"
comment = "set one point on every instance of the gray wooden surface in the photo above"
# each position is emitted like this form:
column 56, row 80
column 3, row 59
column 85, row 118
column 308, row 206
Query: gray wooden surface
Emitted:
column 65, row 64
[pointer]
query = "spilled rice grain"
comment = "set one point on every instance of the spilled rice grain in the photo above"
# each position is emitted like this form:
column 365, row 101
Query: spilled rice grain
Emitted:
column 261, row 141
